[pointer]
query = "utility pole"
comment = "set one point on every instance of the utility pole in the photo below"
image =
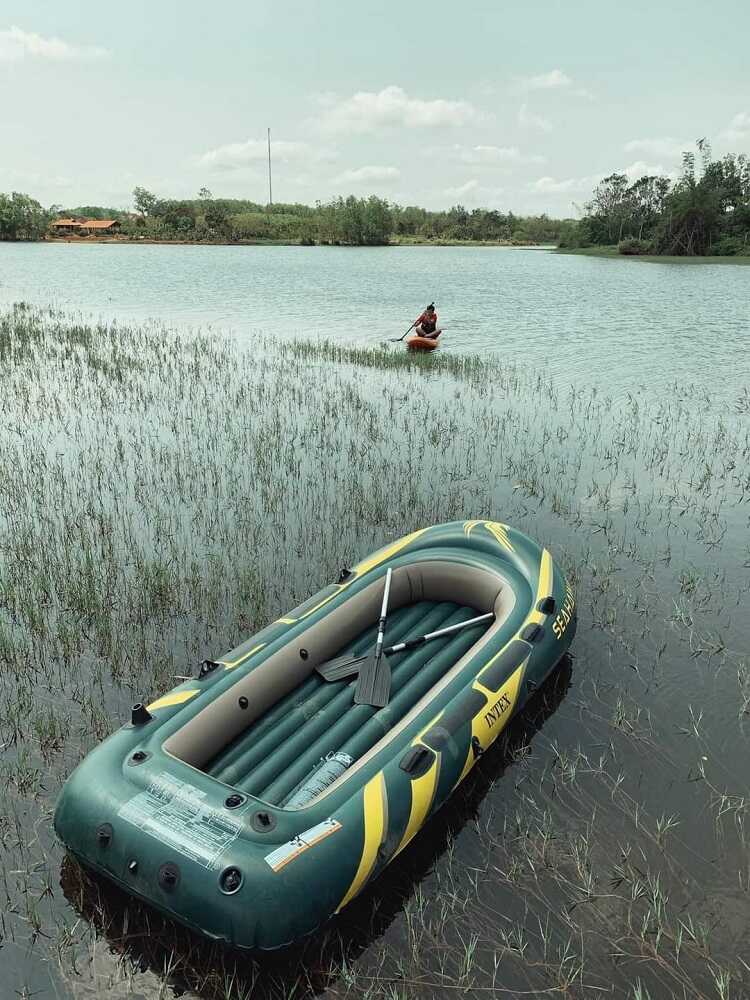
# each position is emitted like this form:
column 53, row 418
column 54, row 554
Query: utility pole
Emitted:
column 270, row 189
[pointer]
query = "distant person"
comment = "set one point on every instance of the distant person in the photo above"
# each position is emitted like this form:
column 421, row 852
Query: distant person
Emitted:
column 426, row 325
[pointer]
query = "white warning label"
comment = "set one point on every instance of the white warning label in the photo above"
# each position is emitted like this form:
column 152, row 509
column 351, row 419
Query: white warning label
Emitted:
column 293, row 848
column 176, row 814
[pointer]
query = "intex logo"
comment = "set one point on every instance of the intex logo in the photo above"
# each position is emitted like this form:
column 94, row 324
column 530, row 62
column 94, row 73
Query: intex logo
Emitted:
column 499, row 709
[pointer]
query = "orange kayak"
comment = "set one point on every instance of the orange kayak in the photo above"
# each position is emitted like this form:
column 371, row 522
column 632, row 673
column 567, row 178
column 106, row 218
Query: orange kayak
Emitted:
column 421, row 343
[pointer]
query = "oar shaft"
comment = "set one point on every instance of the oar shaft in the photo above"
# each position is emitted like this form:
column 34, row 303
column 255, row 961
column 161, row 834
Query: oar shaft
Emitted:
column 383, row 613
column 413, row 643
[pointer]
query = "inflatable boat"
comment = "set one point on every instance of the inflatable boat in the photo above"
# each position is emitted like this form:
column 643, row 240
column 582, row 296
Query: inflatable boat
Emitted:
column 259, row 798
column 415, row 343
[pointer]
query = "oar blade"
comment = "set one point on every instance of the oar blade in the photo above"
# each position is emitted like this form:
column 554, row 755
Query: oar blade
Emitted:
column 374, row 682
column 341, row 668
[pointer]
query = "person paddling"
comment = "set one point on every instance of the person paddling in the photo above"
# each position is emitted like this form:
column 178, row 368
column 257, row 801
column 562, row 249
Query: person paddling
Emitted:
column 426, row 325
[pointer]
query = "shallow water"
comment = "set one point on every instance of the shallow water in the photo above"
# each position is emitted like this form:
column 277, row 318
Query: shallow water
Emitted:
column 148, row 520
column 622, row 325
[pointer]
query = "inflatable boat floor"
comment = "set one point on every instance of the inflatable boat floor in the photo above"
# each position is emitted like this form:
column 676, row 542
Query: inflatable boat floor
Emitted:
column 277, row 752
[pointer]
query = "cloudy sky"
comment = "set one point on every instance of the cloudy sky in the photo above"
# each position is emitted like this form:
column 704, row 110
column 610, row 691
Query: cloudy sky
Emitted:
column 500, row 103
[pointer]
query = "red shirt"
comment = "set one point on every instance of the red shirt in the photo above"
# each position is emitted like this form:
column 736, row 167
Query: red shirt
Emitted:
column 430, row 320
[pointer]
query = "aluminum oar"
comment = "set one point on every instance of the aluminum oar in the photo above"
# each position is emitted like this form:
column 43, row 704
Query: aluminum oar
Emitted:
column 349, row 666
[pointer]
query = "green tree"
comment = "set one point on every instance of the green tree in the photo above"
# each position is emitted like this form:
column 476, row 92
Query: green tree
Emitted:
column 216, row 215
column 175, row 214
column 145, row 202
column 22, row 217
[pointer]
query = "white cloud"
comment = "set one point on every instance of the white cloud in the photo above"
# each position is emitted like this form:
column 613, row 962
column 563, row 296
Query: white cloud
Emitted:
column 494, row 155
column 550, row 185
column 530, row 120
column 369, row 175
column 641, row 169
column 17, row 44
column 555, row 79
column 366, row 111
column 236, row 155
column 738, row 129
column 474, row 193
column 463, row 189
column 586, row 184
column 666, row 147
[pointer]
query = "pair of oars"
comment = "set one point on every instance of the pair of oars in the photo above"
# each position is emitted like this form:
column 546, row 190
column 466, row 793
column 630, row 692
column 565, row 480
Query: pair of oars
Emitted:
column 372, row 669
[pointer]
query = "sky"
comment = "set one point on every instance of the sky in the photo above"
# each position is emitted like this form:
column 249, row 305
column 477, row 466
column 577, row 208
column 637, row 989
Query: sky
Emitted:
column 520, row 106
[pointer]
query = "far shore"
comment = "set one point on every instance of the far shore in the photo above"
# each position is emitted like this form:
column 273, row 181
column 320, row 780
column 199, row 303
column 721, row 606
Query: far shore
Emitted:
column 604, row 252
column 409, row 241
column 611, row 253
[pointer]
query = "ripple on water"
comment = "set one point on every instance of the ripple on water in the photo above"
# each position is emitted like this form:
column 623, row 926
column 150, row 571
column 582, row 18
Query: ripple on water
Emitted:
column 625, row 326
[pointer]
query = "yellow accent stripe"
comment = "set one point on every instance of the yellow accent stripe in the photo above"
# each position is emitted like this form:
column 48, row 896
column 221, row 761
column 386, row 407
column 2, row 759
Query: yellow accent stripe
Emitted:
column 320, row 604
column 544, row 588
column 498, row 530
column 500, row 533
column 487, row 724
column 376, row 820
column 231, row 664
column 382, row 554
column 422, row 796
column 175, row 698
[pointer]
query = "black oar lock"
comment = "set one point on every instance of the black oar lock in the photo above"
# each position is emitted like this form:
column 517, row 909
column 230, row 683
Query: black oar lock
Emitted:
column 140, row 715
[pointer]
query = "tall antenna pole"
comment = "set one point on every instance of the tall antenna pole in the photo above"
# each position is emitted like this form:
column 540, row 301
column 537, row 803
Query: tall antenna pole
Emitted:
column 270, row 189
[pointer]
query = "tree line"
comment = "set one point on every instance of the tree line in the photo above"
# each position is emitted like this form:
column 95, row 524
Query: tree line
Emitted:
column 350, row 221
column 705, row 211
column 370, row 221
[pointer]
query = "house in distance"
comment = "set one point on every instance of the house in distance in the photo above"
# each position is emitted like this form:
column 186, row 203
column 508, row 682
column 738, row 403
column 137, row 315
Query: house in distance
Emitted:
column 84, row 227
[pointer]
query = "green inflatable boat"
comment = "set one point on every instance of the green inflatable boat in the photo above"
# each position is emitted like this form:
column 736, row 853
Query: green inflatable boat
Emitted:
column 258, row 799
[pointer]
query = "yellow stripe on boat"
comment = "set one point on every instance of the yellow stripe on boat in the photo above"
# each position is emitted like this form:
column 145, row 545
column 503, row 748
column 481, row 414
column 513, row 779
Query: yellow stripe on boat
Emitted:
column 543, row 589
column 376, row 820
column 500, row 533
column 175, row 698
column 497, row 529
column 422, row 796
column 317, row 607
column 390, row 550
column 492, row 718
column 231, row 664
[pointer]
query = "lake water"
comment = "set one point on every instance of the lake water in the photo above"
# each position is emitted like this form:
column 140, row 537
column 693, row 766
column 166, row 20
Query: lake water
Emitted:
column 148, row 520
column 625, row 326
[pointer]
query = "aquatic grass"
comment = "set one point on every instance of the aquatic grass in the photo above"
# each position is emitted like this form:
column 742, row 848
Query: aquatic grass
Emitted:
column 163, row 493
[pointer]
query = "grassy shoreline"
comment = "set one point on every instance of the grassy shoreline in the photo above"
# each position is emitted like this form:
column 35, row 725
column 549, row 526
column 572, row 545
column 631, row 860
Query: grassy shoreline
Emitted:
column 606, row 253
column 395, row 242
column 611, row 253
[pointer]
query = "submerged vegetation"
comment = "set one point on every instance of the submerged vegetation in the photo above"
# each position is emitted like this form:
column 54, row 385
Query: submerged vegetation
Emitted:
column 165, row 493
column 706, row 211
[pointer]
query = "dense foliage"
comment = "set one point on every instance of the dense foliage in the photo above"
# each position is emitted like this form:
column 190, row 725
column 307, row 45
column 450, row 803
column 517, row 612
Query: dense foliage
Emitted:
column 22, row 218
column 349, row 221
column 705, row 211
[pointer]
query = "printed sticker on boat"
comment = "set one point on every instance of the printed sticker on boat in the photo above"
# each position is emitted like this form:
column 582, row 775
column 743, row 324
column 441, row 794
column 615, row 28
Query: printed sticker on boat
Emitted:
column 176, row 814
column 298, row 845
